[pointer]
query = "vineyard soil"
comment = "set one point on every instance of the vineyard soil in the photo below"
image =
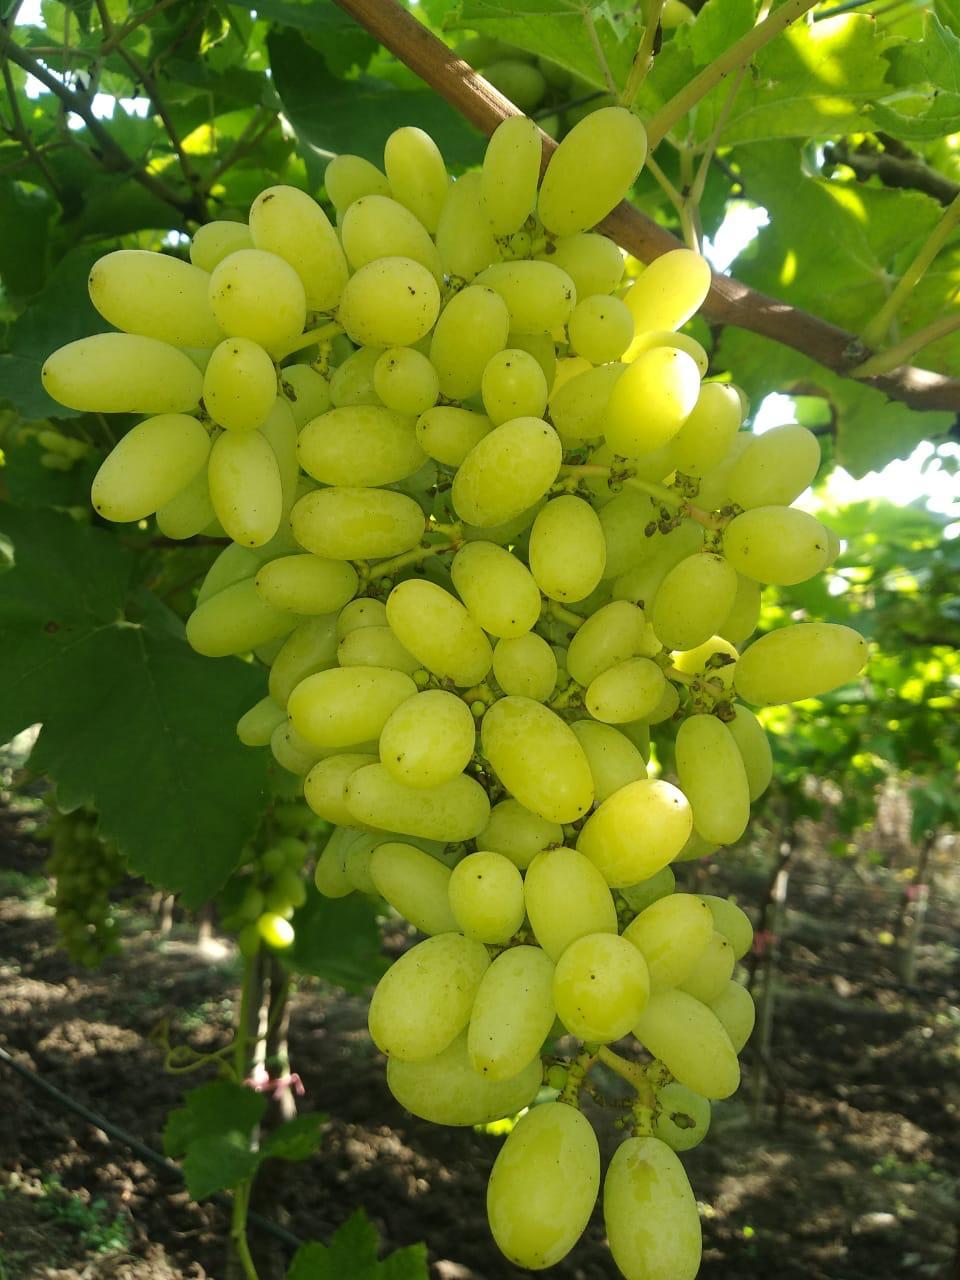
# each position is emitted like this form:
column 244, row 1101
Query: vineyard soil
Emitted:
column 857, row 1179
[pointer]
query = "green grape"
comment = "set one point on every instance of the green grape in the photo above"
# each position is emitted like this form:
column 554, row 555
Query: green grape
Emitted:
column 307, row 584
column 671, row 933
column 424, row 999
column 122, row 373
column 714, row 483
column 310, row 647
column 359, row 614
column 348, row 178
column 513, row 386
column 800, row 661
column 248, row 940
column 324, row 785
column 447, row 433
column 356, row 867
column 592, row 170
column 149, row 466
column 280, row 432
column 189, row 511
column 682, row 1117
column 579, row 406
column 392, row 302
column 85, row 868
column 232, row 565
column 287, row 890
column 600, row 328
column 507, row 534
column 690, row 1041
column 523, row 84
column 512, row 1013
column 155, row 295
column 650, row 1214
column 741, row 621
column 376, row 647
column 356, row 523
column 776, row 544
column 735, row 1009
column 537, row 758
column 705, row 438
column 346, row 705
column 255, row 727
column 600, row 987
column 455, row 810
column 330, row 876
column 245, row 487
column 275, row 931
column 593, row 262
column 538, row 295
column 693, row 601
column 732, row 922
column 292, row 752
column 236, row 620
column 439, row 631
column 651, row 401
column 775, row 468
column 630, row 690
column 415, row 885
column 257, row 295
column 712, row 971
column 406, row 381
column 214, row 241
column 464, row 238
column 446, row 1089
column 614, row 760
column 654, row 554
column 289, row 223
column 486, row 897
column 416, row 173
column 668, row 291
column 525, row 666
column 541, row 347
column 428, row 739
column 613, row 634
column 543, row 1185
column 375, row 227
column 497, row 589
column 566, row 898
column 567, row 550
column 716, row 659
column 307, row 391
column 507, row 471
column 518, row 833
column 636, row 831
column 473, row 327
column 754, row 748
column 239, row 385
column 511, row 171
column 683, row 342
column 360, row 445
column 642, row 895
column 352, row 381
column 713, row 778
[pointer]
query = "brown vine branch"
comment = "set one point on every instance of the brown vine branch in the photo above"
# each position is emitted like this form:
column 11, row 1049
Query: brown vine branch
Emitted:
column 729, row 301
column 900, row 172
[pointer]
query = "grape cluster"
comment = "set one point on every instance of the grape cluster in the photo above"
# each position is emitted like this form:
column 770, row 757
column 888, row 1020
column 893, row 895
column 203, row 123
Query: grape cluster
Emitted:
column 85, row 867
column 491, row 530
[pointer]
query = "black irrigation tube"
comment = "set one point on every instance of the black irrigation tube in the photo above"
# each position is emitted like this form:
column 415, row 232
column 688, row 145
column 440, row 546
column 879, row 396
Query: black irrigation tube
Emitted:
column 139, row 1148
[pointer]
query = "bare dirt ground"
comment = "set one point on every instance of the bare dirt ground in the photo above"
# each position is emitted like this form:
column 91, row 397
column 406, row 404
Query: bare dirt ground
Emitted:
column 849, row 1171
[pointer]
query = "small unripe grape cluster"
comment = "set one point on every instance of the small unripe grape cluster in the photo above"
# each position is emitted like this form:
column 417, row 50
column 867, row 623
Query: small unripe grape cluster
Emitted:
column 85, row 867
column 494, row 532
column 264, row 893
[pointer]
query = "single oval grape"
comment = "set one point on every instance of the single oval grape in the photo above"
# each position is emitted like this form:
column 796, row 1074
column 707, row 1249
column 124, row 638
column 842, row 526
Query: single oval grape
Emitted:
column 592, row 170
column 650, row 1213
column 537, row 758
column 800, row 661
column 600, row 987
column 486, row 897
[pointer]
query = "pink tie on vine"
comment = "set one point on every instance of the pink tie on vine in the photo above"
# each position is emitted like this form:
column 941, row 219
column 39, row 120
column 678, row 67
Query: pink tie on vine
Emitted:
column 261, row 1080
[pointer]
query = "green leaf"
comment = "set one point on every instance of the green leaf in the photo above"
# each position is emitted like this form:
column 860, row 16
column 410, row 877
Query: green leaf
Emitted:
column 927, row 75
column 352, row 1255
column 557, row 29
column 25, row 217
column 317, row 104
column 719, row 24
column 213, row 1132
column 30, row 484
column 296, row 1139
column 61, row 313
column 337, row 939
column 134, row 722
column 343, row 42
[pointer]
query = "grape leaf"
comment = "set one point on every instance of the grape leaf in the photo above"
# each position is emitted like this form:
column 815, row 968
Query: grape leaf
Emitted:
column 342, row 41
column 927, row 75
column 352, row 1255
column 316, row 104
column 134, row 722
column 337, row 940
column 30, row 484
column 719, row 24
column 25, row 216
